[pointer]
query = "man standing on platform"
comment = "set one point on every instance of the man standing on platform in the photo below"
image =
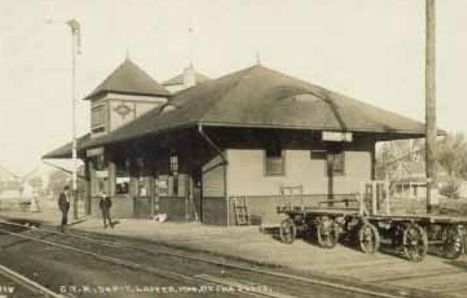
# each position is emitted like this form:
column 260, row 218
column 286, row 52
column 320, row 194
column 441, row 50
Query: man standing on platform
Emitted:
column 64, row 205
column 105, row 204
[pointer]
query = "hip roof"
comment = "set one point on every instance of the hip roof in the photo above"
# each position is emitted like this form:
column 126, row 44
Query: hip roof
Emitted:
column 262, row 97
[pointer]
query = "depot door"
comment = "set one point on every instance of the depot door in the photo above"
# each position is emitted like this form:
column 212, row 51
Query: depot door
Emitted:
column 198, row 193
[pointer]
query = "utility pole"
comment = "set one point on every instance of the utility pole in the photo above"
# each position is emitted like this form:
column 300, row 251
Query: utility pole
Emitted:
column 430, row 100
column 75, row 49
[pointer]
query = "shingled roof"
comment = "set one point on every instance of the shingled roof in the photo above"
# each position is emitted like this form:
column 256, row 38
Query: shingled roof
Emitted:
column 129, row 78
column 264, row 98
column 64, row 151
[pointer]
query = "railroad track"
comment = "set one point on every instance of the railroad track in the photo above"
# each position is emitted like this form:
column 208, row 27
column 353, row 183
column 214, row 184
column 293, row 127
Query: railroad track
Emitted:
column 204, row 278
column 35, row 289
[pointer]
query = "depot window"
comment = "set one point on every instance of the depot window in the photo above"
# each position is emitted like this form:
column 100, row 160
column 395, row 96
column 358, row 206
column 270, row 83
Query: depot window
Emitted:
column 98, row 118
column 122, row 178
column 173, row 164
column 336, row 163
column 173, row 168
column 274, row 161
column 318, row 154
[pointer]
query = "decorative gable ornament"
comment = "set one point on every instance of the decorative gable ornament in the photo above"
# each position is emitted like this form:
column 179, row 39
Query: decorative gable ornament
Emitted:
column 123, row 110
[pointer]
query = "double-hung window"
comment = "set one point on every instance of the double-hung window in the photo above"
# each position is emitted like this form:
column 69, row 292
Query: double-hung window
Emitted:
column 274, row 161
column 336, row 163
column 173, row 169
column 98, row 118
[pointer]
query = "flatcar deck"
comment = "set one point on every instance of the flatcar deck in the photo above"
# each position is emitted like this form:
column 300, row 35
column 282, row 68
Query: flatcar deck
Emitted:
column 412, row 233
column 340, row 211
column 319, row 211
column 425, row 218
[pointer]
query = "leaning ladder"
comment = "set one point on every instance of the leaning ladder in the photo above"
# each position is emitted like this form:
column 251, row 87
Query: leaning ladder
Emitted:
column 242, row 215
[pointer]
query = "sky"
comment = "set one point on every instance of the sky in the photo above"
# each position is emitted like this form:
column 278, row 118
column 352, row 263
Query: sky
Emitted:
column 372, row 50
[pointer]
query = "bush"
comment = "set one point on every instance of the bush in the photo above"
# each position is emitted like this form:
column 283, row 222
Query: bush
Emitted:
column 451, row 188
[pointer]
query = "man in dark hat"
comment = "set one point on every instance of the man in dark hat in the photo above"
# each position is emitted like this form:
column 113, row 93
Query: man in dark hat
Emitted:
column 64, row 205
column 105, row 204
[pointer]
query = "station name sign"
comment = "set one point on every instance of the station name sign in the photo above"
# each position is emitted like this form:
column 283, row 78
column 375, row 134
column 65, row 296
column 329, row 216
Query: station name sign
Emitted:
column 95, row 152
column 336, row 136
column 102, row 174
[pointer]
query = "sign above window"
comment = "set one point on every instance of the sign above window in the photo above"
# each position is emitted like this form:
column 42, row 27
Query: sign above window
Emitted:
column 336, row 136
column 95, row 152
column 102, row 174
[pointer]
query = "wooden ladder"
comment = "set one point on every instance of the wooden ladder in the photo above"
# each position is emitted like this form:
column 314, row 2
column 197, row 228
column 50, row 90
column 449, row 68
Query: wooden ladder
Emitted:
column 242, row 216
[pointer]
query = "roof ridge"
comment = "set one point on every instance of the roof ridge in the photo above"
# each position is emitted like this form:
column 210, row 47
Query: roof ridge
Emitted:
column 122, row 78
column 110, row 78
column 324, row 97
column 173, row 80
column 328, row 93
column 107, row 81
column 140, row 69
column 157, row 110
column 321, row 95
column 318, row 91
column 242, row 77
column 244, row 98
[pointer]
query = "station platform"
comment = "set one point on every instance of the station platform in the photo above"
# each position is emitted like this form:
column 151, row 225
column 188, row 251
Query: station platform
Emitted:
column 435, row 275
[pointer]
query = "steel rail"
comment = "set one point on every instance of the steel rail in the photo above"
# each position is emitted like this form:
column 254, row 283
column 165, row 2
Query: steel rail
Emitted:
column 29, row 284
column 136, row 266
column 108, row 259
column 244, row 268
column 308, row 280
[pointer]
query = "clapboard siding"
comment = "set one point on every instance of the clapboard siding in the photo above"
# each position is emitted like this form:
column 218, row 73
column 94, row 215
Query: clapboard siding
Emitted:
column 213, row 178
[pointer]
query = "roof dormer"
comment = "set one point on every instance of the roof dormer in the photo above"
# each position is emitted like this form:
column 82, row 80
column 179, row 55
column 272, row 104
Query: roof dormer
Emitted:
column 127, row 93
column 189, row 78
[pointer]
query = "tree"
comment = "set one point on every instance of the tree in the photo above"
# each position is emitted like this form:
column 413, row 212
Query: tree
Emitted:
column 390, row 154
column 57, row 180
column 452, row 155
column 35, row 182
column 452, row 158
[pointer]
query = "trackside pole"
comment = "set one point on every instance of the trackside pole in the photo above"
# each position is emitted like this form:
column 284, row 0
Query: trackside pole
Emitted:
column 430, row 102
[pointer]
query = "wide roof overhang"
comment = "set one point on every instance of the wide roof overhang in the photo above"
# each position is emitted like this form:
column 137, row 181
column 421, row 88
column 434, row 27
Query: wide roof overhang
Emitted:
column 85, row 142
column 259, row 98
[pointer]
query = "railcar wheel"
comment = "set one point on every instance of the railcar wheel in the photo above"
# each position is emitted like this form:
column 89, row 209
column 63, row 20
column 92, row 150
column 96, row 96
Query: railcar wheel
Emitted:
column 287, row 231
column 453, row 242
column 415, row 242
column 369, row 239
column 327, row 233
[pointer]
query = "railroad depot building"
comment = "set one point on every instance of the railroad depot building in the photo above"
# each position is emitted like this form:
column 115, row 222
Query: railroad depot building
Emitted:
column 191, row 153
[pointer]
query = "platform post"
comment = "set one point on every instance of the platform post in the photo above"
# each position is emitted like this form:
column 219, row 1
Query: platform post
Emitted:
column 374, row 189
column 386, row 205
